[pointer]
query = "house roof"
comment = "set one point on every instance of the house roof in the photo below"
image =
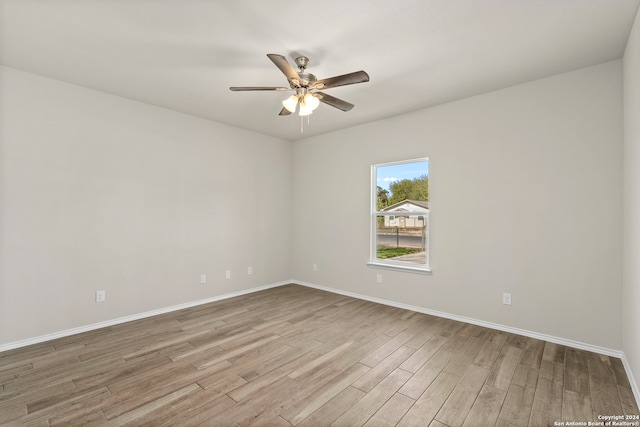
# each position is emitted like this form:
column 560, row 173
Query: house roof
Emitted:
column 185, row 54
column 422, row 204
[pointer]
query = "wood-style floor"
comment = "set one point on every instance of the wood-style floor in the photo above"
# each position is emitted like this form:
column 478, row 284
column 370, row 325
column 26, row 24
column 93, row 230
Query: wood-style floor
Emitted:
column 299, row 356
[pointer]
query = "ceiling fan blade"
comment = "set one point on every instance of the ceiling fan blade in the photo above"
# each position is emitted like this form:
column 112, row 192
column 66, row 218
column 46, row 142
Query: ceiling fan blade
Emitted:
column 284, row 112
column 345, row 79
column 333, row 101
column 239, row 89
column 286, row 68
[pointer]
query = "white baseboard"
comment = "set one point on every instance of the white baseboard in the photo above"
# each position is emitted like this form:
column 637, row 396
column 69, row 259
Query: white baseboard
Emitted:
column 490, row 325
column 550, row 338
column 632, row 380
column 138, row 316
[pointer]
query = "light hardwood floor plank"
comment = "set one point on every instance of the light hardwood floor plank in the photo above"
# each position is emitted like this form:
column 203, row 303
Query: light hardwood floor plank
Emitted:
column 334, row 408
column 430, row 402
column 576, row 407
column 457, row 406
column 295, row 414
column 504, row 368
column 376, row 374
column 200, row 409
column 490, row 351
column 391, row 412
column 423, row 378
column 361, row 411
column 486, row 408
column 576, row 372
column 423, row 354
column 548, row 398
column 518, row 402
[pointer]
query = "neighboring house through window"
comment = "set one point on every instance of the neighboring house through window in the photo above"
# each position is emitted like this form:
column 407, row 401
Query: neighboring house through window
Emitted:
column 400, row 215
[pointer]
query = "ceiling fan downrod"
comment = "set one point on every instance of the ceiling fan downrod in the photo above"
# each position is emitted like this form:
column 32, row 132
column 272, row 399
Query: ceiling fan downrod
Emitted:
column 301, row 62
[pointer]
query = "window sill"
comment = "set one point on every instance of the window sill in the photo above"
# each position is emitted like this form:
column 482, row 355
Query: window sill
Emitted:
column 399, row 267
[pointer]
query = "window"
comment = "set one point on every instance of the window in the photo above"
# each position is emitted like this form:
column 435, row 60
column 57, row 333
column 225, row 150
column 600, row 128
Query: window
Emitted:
column 400, row 215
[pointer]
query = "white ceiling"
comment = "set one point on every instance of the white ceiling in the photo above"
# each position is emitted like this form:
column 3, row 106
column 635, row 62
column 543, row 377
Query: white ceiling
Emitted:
column 184, row 54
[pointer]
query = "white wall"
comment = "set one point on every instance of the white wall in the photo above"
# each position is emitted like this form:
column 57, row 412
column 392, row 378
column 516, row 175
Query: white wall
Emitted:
column 631, row 261
column 99, row 192
column 526, row 197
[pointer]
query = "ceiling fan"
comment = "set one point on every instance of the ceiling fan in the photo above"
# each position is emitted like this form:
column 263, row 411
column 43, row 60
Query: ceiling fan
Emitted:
column 307, row 86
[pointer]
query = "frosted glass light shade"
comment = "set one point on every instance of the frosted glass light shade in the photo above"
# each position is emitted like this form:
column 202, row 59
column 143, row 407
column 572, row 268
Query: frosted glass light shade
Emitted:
column 290, row 103
column 311, row 101
column 305, row 110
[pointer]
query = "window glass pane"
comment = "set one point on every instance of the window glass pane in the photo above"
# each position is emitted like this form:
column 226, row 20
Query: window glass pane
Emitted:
column 400, row 232
column 403, row 239
column 402, row 181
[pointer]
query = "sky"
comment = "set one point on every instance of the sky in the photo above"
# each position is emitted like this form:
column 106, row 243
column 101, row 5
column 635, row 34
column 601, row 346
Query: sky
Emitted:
column 386, row 175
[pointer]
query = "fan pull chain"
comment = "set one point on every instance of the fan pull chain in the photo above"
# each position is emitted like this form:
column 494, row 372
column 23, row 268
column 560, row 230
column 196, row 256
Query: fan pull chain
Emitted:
column 302, row 123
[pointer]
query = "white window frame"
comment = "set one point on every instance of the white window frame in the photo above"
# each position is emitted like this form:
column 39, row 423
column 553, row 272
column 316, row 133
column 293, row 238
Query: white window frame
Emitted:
column 390, row 264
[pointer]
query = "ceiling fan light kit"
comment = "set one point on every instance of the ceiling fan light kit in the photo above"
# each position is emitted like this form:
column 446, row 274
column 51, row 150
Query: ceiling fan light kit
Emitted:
column 306, row 87
column 308, row 103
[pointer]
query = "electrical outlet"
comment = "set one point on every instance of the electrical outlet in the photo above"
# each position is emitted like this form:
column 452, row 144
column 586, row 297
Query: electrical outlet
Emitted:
column 101, row 296
column 315, row 267
column 250, row 271
column 228, row 274
column 379, row 278
column 203, row 278
column 506, row 299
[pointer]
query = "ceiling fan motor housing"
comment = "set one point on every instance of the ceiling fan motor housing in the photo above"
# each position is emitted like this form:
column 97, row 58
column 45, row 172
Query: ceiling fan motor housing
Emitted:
column 306, row 78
